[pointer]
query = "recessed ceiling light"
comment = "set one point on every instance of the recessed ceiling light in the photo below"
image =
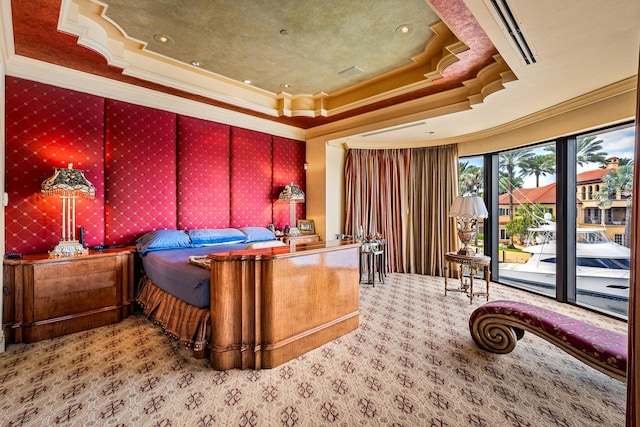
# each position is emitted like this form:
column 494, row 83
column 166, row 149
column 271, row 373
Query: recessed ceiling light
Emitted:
column 284, row 32
column 404, row 29
column 246, row 81
column 162, row 38
column 285, row 85
column 195, row 63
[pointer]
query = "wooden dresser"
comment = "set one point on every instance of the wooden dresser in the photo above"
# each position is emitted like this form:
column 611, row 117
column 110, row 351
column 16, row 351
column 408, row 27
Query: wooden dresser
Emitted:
column 45, row 298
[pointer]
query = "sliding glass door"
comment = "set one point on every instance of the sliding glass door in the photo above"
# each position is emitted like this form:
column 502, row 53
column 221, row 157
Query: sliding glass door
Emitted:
column 604, row 179
column 560, row 216
column 527, row 215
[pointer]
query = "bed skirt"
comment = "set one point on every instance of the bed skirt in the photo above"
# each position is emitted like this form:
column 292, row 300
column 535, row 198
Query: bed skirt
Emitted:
column 188, row 324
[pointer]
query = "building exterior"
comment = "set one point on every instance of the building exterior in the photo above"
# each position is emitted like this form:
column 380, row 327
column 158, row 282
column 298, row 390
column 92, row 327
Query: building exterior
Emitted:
column 544, row 196
column 590, row 211
column 590, row 208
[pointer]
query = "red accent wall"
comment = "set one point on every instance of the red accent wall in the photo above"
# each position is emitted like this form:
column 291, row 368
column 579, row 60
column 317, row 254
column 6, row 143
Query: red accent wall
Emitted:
column 47, row 127
column 287, row 152
column 152, row 169
column 203, row 172
column 251, row 195
column 141, row 171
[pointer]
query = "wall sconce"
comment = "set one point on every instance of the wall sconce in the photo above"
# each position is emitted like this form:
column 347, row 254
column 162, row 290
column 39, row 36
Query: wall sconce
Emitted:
column 306, row 165
column 68, row 184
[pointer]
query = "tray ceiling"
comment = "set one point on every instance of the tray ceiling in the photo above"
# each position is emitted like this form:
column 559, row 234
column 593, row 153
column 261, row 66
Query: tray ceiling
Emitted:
column 459, row 73
column 334, row 62
column 291, row 46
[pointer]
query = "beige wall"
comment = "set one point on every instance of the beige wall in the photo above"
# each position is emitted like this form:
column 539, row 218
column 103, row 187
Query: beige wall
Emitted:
column 325, row 185
column 554, row 123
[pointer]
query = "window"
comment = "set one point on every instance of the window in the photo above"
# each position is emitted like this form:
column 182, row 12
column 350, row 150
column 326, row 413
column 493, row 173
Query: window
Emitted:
column 471, row 181
column 602, row 259
column 531, row 192
column 527, row 187
column 470, row 178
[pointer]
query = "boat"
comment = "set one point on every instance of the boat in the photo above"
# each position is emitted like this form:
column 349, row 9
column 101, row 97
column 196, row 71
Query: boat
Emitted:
column 602, row 266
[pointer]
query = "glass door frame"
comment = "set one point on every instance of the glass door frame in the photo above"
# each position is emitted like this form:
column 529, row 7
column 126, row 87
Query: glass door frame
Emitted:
column 566, row 213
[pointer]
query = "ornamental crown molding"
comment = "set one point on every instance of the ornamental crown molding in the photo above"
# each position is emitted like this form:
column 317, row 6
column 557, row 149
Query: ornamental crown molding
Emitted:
column 87, row 20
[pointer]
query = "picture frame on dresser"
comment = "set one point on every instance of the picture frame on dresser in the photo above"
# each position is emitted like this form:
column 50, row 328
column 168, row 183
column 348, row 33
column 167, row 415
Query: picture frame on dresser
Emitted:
column 306, row 226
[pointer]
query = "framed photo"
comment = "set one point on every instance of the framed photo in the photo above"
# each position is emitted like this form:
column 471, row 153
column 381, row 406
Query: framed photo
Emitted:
column 306, row 226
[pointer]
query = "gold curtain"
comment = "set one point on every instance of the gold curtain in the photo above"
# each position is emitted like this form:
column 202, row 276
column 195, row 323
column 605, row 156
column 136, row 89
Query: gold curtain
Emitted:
column 434, row 184
column 376, row 184
column 404, row 194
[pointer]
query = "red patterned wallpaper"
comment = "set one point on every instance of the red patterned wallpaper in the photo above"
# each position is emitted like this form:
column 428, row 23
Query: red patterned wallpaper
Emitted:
column 251, row 194
column 152, row 169
column 287, row 152
column 141, row 171
column 47, row 127
column 203, row 174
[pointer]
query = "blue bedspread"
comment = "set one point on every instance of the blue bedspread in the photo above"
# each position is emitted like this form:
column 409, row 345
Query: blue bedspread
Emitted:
column 170, row 271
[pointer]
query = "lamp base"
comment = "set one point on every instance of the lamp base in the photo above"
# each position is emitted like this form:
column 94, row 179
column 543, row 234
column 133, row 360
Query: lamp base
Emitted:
column 293, row 231
column 466, row 251
column 67, row 248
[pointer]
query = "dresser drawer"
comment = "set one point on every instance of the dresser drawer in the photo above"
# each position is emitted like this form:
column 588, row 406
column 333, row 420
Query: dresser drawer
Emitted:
column 53, row 297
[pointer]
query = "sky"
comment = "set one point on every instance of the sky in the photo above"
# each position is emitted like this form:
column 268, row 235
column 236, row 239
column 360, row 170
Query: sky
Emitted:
column 618, row 143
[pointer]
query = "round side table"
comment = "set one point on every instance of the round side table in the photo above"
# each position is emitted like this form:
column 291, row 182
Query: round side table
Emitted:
column 472, row 262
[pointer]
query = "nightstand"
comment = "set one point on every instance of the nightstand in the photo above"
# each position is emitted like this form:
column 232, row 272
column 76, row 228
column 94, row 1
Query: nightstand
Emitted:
column 301, row 239
column 45, row 298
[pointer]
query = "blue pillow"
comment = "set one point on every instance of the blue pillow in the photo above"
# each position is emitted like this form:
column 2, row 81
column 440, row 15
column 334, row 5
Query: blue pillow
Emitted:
column 216, row 236
column 162, row 239
column 257, row 234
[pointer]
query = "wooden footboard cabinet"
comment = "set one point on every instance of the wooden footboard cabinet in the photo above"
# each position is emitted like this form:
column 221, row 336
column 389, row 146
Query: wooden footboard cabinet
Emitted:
column 271, row 306
column 45, row 298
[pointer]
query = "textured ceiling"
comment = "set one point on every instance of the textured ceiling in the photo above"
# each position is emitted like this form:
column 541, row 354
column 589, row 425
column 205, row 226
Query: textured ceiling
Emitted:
column 455, row 53
column 310, row 46
column 468, row 82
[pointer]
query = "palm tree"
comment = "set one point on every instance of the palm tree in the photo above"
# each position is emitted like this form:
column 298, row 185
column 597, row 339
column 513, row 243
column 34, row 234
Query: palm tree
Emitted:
column 604, row 201
column 619, row 180
column 588, row 151
column 544, row 165
column 509, row 161
column 470, row 179
column 503, row 183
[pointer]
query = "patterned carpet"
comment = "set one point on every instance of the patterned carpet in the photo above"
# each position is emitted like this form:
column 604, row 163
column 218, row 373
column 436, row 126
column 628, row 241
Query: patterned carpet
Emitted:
column 412, row 362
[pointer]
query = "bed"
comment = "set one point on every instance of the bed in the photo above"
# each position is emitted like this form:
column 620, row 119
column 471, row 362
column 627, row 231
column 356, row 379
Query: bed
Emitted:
column 230, row 296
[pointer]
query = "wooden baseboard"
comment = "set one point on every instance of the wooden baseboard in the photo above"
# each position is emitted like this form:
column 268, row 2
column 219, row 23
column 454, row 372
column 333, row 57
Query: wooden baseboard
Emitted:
column 71, row 324
column 278, row 353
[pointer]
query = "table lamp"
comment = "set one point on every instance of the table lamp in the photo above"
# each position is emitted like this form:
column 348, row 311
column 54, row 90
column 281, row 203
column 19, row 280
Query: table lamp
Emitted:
column 468, row 209
column 292, row 194
column 68, row 184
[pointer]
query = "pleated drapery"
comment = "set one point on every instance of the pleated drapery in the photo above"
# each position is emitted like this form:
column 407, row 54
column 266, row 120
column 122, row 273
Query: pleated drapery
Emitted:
column 405, row 195
column 434, row 186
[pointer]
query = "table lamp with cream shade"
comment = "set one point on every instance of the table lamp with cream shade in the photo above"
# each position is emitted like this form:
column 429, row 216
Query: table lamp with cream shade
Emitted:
column 468, row 209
